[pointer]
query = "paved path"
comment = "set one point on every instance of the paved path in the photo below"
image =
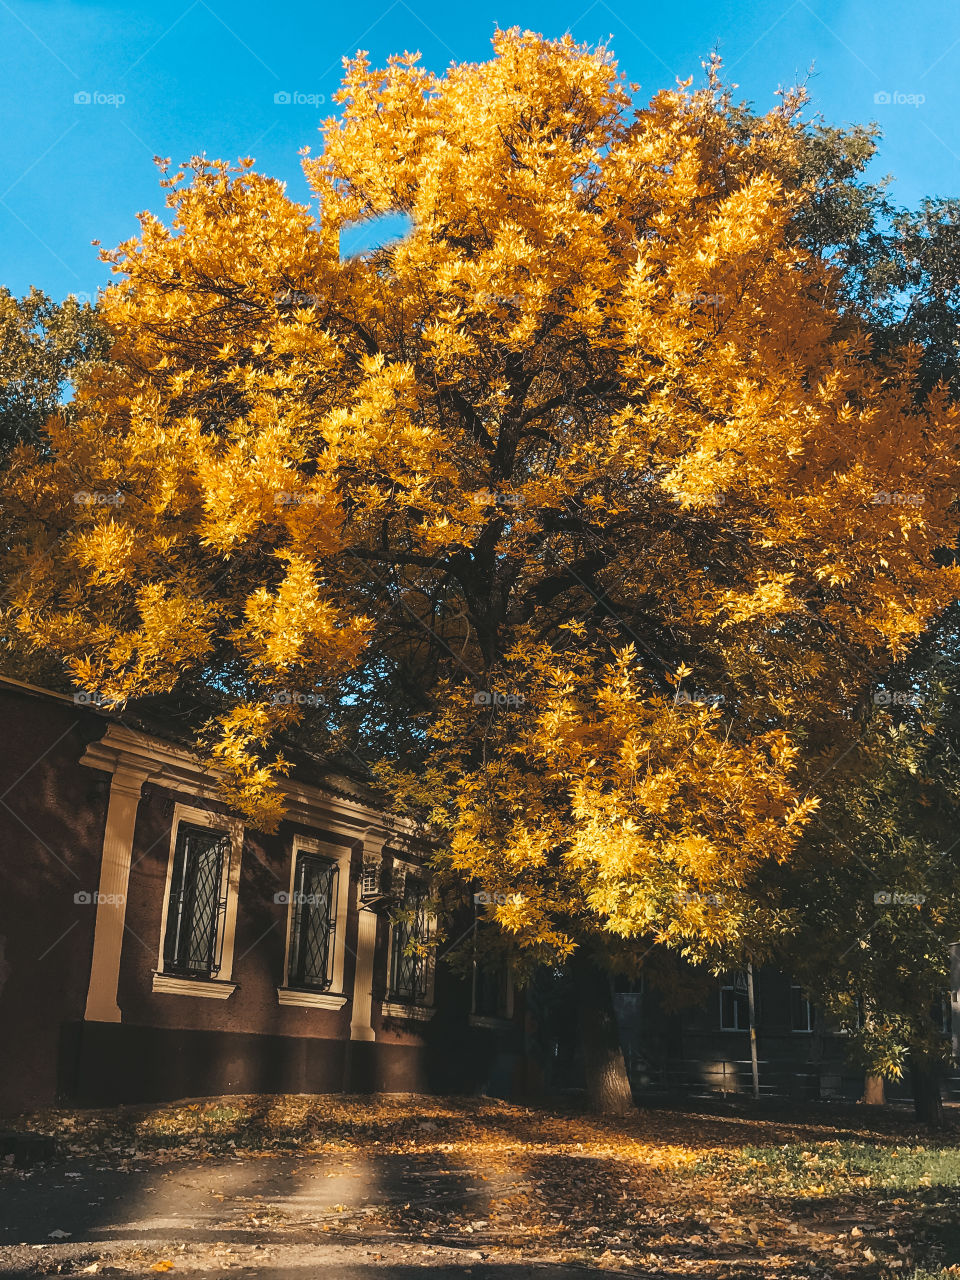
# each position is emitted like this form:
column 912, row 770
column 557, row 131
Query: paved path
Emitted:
column 279, row 1218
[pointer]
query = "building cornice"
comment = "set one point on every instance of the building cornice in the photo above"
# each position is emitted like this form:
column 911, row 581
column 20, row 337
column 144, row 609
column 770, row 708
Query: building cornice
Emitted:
column 180, row 770
column 37, row 691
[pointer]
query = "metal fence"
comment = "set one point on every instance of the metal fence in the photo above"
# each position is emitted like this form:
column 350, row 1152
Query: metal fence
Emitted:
column 699, row 1077
column 706, row 1078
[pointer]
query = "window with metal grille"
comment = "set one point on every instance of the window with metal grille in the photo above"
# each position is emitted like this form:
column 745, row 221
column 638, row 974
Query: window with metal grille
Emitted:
column 314, row 908
column 408, row 961
column 193, row 941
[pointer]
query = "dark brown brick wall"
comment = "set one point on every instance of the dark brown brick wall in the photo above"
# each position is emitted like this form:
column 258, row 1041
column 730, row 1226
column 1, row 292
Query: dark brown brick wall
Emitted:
column 52, row 816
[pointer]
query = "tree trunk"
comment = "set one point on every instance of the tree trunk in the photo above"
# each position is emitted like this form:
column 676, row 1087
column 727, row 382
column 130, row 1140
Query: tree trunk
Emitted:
column 533, row 1084
column 752, row 1007
column 874, row 1094
column 927, row 1099
column 608, row 1086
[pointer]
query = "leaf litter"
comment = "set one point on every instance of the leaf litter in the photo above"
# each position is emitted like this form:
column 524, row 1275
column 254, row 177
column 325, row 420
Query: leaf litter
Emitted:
column 665, row 1194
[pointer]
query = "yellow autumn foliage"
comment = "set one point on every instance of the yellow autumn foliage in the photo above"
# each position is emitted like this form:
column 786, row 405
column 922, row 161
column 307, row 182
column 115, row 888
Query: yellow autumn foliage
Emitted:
column 592, row 434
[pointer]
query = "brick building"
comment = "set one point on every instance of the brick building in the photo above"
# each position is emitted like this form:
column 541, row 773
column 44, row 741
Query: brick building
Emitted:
column 152, row 947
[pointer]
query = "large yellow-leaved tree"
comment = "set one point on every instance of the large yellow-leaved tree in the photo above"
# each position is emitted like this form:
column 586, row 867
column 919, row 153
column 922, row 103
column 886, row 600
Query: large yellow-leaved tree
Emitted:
column 581, row 506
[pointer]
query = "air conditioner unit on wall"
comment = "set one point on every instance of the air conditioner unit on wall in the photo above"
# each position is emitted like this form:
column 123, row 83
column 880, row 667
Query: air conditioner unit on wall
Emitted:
column 374, row 888
column 370, row 878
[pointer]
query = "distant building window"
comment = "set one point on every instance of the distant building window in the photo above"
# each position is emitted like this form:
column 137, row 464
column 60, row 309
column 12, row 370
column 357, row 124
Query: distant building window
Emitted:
column 625, row 986
column 195, row 913
column 734, row 1003
column 313, row 907
column 801, row 1010
column 409, row 959
column 940, row 1013
column 492, row 994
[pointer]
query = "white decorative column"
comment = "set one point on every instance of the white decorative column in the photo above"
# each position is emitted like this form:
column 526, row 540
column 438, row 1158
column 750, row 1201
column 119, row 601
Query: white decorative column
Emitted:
column 112, row 901
column 360, row 1027
column 360, row 1024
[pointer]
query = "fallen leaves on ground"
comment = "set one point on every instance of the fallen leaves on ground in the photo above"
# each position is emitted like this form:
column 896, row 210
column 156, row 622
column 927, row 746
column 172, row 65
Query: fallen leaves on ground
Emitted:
column 666, row 1194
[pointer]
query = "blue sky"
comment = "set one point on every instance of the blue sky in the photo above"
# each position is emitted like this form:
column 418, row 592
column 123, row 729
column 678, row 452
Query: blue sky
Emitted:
column 91, row 91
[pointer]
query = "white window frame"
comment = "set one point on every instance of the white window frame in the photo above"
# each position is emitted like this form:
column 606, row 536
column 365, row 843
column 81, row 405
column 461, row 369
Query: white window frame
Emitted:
column 398, row 1008
column 808, row 1029
column 221, row 987
column 335, row 997
column 729, row 984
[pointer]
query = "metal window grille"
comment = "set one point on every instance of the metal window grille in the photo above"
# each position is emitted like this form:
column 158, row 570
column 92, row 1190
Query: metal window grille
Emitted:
column 408, row 965
column 314, row 909
column 198, row 902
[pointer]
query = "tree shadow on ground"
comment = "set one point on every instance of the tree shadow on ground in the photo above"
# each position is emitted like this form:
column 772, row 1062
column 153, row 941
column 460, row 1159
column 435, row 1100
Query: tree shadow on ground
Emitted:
column 283, row 1122
column 468, row 1175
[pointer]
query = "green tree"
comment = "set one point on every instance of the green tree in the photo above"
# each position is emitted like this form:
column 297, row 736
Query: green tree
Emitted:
column 873, row 887
column 43, row 347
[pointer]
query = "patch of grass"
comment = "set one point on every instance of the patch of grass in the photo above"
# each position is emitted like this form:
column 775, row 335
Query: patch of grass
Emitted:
column 836, row 1167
